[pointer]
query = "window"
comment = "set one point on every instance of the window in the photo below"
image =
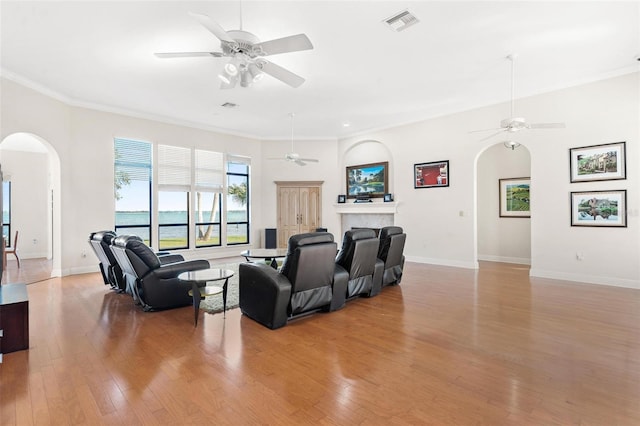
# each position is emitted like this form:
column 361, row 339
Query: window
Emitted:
column 174, row 184
column 208, row 193
column 132, row 185
column 189, row 191
column 6, row 212
column 237, row 202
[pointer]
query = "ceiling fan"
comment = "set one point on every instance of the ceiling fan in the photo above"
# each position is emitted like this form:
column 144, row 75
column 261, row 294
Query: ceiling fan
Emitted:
column 294, row 157
column 246, row 52
column 515, row 124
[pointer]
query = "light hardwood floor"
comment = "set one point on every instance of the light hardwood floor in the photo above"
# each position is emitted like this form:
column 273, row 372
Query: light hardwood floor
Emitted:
column 447, row 347
column 30, row 270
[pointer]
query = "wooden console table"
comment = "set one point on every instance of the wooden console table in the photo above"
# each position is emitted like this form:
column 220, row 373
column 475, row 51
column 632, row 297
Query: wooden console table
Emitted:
column 14, row 318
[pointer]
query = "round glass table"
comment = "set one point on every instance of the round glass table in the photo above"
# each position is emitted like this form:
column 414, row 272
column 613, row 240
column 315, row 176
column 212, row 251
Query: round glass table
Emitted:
column 205, row 276
column 269, row 255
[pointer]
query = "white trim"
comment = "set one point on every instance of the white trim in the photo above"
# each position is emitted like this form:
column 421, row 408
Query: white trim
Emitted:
column 505, row 259
column 366, row 208
column 586, row 279
column 443, row 262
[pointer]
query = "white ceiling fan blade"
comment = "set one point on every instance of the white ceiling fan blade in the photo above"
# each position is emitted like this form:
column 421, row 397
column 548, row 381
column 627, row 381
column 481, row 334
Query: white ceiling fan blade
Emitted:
column 492, row 135
column 164, row 55
column 276, row 71
column 309, row 160
column 486, row 130
column 547, row 126
column 213, row 27
column 300, row 163
column 292, row 43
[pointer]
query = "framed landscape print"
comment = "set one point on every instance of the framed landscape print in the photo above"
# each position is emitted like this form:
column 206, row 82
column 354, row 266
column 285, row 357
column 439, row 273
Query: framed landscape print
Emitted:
column 598, row 162
column 368, row 180
column 599, row 208
column 514, row 197
column 431, row 175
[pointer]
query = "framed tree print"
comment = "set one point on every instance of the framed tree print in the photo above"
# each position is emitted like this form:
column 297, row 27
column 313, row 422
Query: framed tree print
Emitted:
column 514, row 197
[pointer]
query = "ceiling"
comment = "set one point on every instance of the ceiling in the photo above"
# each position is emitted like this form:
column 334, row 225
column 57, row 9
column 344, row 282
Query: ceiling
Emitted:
column 360, row 72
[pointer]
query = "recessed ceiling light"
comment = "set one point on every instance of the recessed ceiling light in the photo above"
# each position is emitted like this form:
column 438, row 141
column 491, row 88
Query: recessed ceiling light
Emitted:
column 346, row 124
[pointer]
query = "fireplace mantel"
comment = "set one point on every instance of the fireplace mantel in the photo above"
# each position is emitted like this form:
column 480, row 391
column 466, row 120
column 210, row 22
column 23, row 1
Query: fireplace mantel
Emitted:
column 367, row 208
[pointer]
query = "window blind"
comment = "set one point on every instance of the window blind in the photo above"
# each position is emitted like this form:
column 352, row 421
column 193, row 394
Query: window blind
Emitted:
column 209, row 171
column 174, row 168
column 132, row 159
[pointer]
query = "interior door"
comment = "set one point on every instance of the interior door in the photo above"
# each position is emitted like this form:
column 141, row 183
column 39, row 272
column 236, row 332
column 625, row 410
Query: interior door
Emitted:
column 288, row 214
column 309, row 200
column 299, row 209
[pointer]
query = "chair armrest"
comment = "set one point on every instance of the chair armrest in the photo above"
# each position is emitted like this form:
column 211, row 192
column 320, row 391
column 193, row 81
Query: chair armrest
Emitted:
column 264, row 294
column 172, row 270
column 340, row 282
column 378, row 271
column 165, row 259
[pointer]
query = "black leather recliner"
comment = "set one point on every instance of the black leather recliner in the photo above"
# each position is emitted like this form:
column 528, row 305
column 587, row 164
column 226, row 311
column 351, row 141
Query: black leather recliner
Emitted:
column 153, row 284
column 305, row 284
column 112, row 274
column 359, row 257
column 392, row 239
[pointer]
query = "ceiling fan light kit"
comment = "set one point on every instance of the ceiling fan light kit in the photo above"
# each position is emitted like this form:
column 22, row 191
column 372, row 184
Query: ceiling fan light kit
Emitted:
column 515, row 124
column 245, row 52
column 512, row 145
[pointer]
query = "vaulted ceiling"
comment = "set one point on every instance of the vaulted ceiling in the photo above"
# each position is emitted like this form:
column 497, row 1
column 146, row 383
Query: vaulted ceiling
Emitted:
column 361, row 75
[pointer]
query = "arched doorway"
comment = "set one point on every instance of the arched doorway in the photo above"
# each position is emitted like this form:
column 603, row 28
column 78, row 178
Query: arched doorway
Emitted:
column 501, row 239
column 31, row 168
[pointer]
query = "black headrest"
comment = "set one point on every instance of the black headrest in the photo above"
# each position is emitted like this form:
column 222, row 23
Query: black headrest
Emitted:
column 126, row 240
column 300, row 240
column 135, row 244
column 359, row 234
column 103, row 236
column 390, row 230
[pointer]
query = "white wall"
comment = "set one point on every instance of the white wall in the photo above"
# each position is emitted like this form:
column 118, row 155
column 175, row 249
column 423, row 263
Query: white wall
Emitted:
column 502, row 239
column 83, row 140
column 29, row 175
column 326, row 170
column 440, row 222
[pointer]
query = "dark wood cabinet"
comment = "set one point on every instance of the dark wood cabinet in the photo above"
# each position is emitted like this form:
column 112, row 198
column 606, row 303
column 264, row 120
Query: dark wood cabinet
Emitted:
column 14, row 318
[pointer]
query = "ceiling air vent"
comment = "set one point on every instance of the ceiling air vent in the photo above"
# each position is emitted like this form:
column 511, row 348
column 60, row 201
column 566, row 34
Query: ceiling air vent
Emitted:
column 229, row 105
column 401, row 21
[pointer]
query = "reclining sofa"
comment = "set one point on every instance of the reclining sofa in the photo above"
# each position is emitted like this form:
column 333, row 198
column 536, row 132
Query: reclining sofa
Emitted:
column 392, row 239
column 359, row 258
column 112, row 274
column 154, row 284
column 306, row 283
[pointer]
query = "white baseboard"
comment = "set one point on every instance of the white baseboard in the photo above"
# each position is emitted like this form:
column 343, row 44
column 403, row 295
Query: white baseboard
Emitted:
column 79, row 270
column 588, row 279
column 505, row 259
column 443, row 262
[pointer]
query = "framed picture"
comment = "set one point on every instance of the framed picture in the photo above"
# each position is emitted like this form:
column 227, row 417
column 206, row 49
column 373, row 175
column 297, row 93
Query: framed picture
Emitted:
column 431, row 175
column 368, row 179
column 514, row 197
column 598, row 162
column 388, row 198
column 599, row 208
column 342, row 199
